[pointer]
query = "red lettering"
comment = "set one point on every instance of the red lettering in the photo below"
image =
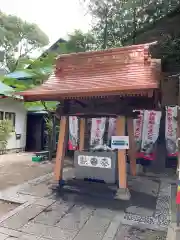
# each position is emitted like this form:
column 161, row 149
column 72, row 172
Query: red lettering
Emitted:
column 169, row 122
column 151, row 123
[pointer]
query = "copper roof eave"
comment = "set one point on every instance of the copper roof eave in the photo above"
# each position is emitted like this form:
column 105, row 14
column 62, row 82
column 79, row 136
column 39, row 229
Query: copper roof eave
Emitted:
column 52, row 96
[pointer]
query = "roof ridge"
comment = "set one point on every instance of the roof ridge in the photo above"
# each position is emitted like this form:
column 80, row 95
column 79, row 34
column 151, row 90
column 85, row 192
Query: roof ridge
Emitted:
column 134, row 48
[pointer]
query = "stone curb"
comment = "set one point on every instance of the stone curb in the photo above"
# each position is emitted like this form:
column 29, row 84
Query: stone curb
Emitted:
column 172, row 232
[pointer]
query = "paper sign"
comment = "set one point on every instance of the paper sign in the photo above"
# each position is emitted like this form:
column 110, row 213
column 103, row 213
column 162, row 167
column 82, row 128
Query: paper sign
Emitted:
column 120, row 142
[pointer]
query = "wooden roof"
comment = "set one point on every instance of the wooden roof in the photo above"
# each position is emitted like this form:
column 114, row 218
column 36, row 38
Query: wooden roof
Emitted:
column 120, row 71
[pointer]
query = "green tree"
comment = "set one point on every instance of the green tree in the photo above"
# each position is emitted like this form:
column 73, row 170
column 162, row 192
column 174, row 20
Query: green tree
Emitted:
column 18, row 39
column 116, row 21
column 78, row 42
column 105, row 24
column 40, row 69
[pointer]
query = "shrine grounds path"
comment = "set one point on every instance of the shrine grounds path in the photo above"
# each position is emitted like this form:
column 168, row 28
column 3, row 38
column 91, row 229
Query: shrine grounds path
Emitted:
column 43, row 212
column 17, row 168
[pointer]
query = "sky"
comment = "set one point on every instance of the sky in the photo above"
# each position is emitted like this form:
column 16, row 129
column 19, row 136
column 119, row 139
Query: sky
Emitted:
column 56, row 18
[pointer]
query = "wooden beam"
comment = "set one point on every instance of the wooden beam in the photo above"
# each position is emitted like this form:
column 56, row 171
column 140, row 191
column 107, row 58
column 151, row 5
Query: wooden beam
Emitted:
column 63, row 132
column 132, row 146
column 104, row 107
column 120, row 131
column 81, row 134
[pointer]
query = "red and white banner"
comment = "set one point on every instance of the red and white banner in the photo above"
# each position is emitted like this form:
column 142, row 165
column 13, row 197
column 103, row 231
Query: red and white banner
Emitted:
column 111, row 128
column 97, row 131
column 150, row 133
column 73, row 133
column 171, row 131
column 138, row 126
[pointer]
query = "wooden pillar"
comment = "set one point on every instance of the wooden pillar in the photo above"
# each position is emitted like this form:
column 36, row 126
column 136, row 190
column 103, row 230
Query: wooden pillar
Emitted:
column 81, row 134
column 120, row 131
column 132, row 146
column 63, row 132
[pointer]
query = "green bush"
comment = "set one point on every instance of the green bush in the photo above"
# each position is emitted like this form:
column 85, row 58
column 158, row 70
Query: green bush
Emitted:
column 5, row 131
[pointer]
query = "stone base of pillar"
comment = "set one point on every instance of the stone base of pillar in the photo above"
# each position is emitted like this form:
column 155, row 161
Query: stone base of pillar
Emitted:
column 123, row 194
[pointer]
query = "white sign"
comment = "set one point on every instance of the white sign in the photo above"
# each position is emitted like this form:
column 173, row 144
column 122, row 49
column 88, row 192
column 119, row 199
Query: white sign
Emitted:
column 120, row 142
column 93, row 161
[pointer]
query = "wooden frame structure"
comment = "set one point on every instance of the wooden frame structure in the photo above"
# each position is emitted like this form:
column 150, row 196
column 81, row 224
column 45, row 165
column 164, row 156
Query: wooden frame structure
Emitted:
column 109, row 83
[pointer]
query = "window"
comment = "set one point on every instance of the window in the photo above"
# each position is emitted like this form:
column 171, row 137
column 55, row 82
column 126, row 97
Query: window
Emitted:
column 1, row 115
column 11, row 116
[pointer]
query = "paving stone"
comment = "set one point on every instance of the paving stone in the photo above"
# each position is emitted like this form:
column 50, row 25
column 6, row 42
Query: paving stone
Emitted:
column 56, row 233
column 3, row 236
column 94, row 228
column 75, row 218
column 40, row 190
column 113, row 227
column 13, row 212
column 22, row 217
column 45, row 202
column 140, row 210
column 10, row 232
column 144, row 185
column 34, row 228
column 105, row 213
column 54, row 213
column 48, row 232
column 11, row 238
column 28, row 237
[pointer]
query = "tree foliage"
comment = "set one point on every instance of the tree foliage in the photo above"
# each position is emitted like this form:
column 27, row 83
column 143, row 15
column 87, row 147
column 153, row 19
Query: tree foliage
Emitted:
column 18, row 39
column 116, row 21
column 39, row 69
column 78, row 42
column 5, row 132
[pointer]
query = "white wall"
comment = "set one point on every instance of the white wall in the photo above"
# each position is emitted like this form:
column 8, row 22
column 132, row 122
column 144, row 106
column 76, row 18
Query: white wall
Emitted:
column 17, row 107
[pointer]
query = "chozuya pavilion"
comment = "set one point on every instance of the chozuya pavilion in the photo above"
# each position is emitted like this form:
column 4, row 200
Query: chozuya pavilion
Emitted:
column 107, row 83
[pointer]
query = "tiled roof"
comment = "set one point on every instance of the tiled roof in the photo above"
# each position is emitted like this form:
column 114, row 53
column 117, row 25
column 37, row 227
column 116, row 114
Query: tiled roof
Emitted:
column 5, row 88
column 7, row 91
column 120, row 71
column 26, row 75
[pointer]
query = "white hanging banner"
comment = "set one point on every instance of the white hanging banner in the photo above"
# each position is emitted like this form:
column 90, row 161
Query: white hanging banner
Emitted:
column 138, row 127
column 97, row 131
column 111, row 128
column 73, row 133
column 171, row 131
column 150, row 134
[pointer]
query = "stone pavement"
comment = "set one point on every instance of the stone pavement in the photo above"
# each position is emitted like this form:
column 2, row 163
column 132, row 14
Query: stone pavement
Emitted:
column 45, row 214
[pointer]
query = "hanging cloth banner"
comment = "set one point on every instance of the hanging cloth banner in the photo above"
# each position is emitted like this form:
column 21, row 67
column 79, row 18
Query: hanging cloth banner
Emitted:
column 138, row 126
column 73, row 133
column 178, row 193
column 97, row 131
column 111, row 128
column 150, row 134
column 171, row 131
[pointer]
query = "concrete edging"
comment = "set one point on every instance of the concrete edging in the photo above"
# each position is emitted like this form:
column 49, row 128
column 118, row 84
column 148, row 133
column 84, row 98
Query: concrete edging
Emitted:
column 172, row 232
